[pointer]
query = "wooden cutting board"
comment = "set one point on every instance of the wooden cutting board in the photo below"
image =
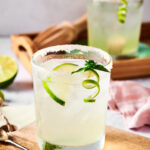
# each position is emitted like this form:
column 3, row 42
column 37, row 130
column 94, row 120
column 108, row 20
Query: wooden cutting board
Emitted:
column 115, row 140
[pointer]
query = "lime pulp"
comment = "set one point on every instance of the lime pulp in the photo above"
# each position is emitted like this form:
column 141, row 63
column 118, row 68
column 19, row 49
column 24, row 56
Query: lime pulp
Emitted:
column 8, row 71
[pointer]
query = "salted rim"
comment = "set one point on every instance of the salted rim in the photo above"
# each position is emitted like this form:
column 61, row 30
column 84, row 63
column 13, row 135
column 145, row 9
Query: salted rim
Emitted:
column 68, row 47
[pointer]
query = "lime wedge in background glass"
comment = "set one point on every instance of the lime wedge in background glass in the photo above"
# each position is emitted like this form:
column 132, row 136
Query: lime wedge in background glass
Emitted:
column 8, row 71
column 2, row 95
column 66, row 67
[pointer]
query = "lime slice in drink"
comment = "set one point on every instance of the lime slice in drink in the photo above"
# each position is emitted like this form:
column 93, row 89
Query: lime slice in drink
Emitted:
column 8, row 71
column 66, row 67
column 2, row 95
column 51, row 94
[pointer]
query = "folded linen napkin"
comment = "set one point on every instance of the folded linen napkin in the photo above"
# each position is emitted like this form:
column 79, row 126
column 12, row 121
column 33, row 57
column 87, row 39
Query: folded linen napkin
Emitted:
column 132, row 101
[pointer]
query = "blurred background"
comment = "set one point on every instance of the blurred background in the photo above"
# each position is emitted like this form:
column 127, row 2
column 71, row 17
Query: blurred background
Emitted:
column 18, row 16
column 122, row 41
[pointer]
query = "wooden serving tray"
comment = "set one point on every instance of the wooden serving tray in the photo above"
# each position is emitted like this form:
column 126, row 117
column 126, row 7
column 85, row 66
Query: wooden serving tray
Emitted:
column 116, row 139
column 23, row 47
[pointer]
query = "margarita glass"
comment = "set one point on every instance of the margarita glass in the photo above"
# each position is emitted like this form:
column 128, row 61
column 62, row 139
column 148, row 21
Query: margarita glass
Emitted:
column 71, row 102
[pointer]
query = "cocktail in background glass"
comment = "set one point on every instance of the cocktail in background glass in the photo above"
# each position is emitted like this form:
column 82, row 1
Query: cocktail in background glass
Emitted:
column 107, row 33
column 71, row 84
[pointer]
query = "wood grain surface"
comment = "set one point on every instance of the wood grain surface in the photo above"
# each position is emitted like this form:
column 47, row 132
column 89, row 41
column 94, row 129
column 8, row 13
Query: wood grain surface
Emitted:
column 23, row 47
column 115, row 140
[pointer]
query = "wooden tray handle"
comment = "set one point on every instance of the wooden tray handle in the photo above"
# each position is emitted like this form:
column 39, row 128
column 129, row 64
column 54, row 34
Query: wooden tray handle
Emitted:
column 80, row 25
column 23, row 48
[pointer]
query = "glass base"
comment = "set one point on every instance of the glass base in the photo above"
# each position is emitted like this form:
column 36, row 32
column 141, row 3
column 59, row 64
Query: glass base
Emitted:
column 95, row 146
column 125, row 56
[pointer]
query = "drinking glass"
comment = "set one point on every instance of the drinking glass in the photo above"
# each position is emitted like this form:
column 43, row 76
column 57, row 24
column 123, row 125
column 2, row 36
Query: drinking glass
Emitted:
column 67, row 117
column 107, row 33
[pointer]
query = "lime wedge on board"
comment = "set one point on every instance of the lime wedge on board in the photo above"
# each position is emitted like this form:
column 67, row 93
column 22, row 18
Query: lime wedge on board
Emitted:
column 8, row 71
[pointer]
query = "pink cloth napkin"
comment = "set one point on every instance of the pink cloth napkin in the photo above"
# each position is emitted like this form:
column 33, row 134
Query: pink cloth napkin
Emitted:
column 132, row 101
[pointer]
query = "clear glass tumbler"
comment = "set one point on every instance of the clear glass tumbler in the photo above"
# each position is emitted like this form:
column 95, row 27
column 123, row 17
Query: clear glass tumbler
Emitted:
column 107, row 33
column 70, row 108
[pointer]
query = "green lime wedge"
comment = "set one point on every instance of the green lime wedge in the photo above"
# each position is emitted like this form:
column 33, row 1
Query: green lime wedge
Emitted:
column 52, row 95
column 8, row 71
column 2, row 95
column 66, row 67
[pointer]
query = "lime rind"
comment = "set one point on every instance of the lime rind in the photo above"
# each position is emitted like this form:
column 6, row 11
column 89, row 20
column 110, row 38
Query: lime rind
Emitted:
column 90, row 84
column 8, row 71
column 87, row 100
column 2, row 95
column 51, row 94
column 66, row 67
column 122, row 11
column 91, row 66
column 5, row 84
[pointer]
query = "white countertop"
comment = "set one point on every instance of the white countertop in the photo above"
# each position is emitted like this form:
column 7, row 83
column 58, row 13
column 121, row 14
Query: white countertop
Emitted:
column 21, row 91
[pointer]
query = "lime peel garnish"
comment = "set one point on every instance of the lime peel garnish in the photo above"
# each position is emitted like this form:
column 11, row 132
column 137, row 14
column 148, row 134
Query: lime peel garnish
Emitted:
column 51, row 94
column 86, row 84
column 122, row 12
column 91, row 66
column 8, row 71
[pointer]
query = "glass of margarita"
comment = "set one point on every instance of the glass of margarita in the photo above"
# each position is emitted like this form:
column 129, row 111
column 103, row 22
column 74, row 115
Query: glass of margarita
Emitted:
column 107, row 33
column 71, row 84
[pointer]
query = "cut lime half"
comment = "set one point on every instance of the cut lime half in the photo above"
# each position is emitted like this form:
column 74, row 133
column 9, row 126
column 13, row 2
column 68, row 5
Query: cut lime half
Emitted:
column 8, row 71
column 66, row 67
column 2, row 95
